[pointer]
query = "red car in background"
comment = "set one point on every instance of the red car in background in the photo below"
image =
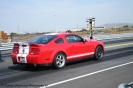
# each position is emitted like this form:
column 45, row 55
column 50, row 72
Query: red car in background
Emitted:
column 56, row 49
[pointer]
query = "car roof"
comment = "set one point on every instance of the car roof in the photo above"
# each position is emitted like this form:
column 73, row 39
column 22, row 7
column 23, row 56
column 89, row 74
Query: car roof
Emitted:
column 59, row 34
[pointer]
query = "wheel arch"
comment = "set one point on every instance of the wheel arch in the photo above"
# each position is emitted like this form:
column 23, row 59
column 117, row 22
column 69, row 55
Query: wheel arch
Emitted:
column 101, row 46
column 55, row 53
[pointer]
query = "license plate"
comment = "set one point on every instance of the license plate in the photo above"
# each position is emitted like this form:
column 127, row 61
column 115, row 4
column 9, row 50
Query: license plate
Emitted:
column 22, row 59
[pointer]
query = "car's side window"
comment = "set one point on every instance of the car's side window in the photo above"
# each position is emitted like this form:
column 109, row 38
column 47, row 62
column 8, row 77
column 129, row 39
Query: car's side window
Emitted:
column 73, row 38
column 60, row 40
column 78, row 39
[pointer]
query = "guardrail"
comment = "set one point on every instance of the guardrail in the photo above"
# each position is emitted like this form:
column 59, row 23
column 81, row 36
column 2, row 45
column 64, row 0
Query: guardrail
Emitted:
column 9, row 46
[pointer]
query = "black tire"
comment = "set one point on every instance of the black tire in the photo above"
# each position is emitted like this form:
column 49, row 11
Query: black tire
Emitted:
column 59, row 60
column 98, row 53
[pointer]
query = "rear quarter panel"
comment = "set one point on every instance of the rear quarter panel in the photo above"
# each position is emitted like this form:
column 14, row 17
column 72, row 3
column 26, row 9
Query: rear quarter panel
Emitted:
column 50, row 50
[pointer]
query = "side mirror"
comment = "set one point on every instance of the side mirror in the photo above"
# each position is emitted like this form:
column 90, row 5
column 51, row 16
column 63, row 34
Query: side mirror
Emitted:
column 84, row 40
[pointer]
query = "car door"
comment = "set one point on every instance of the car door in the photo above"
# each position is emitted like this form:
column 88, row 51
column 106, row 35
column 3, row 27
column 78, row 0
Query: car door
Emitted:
column 79, row 48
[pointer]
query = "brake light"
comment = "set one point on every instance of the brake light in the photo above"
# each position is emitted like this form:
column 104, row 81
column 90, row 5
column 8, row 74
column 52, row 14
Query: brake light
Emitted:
column 15, row 49
column 34, row 51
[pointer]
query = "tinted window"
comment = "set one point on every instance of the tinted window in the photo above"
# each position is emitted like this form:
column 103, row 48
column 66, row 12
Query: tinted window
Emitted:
column 60, row 40
column 44, row 39
column 74, row 38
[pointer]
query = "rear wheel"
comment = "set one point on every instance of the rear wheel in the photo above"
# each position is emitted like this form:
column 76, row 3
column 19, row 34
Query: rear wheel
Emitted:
column 59, row 60
column 98, row 53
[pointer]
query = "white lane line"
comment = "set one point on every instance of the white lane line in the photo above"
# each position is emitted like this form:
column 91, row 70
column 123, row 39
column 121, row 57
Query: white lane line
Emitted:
column 119, row 45
column 78, row 77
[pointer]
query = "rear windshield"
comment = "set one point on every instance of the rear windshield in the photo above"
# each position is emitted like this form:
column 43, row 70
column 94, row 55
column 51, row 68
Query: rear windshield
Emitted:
column 43, row 39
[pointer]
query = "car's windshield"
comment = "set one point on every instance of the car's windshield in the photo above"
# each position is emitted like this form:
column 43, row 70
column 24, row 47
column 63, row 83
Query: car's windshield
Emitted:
column 44, row 39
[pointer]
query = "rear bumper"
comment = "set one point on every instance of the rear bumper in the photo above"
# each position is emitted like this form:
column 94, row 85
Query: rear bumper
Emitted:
column 30, row 59
column 29, row 64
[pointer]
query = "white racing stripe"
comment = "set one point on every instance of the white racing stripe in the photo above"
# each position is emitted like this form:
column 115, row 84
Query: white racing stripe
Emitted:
column 18, row 55
column 79, row 55
column 23, row 52
column 89, row 74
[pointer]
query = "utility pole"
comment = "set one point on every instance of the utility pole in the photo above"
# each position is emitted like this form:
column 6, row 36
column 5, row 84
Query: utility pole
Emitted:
column 115, row 23
column 55, row 21
column 92, row 24
column 18, row 29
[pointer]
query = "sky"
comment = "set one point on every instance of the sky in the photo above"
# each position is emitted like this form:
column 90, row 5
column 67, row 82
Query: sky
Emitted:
column 50, row 15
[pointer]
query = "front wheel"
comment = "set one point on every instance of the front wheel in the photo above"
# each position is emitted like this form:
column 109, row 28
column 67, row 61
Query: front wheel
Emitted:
column 98, row 53
column 59, row 60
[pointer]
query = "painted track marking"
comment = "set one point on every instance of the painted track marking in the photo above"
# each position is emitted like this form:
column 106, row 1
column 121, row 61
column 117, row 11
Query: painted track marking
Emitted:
column 119, row 45
column 89, row 74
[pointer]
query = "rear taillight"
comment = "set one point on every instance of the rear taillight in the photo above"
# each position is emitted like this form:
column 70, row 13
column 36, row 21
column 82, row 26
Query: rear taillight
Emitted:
column 15, row 49
column 34, row 51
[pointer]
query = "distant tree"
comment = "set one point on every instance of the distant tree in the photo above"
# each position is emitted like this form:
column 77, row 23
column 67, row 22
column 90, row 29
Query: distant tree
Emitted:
column 125, row 26
column 83, row 29
column 68, row 31
column 13, row 34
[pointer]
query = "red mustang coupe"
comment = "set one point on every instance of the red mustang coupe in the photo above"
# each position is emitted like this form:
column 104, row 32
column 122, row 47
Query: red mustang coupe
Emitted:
column 56, row 49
